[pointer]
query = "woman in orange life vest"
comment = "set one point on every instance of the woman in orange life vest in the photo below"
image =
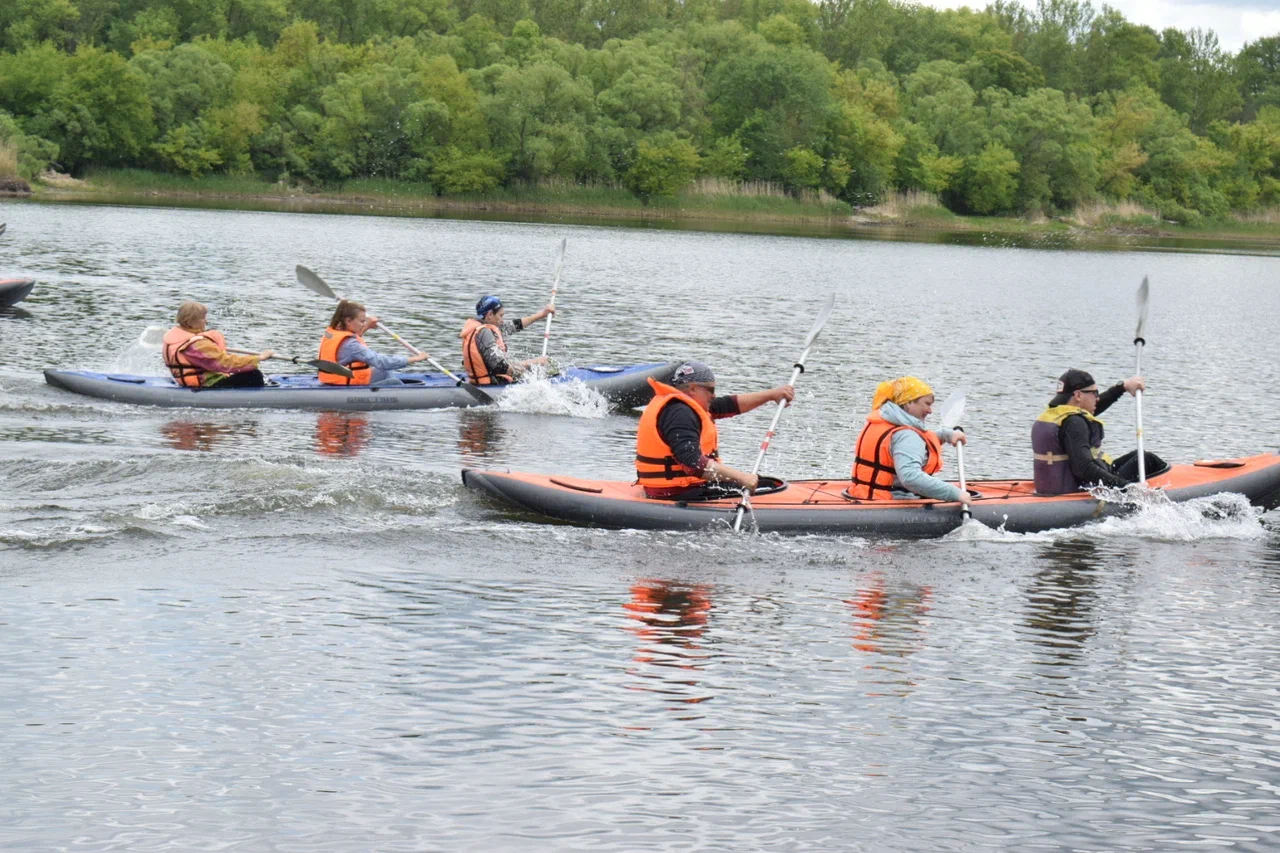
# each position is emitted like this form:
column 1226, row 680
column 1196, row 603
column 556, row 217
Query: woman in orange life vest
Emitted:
column 484, row 348
column 343, row 342
column 896, row 456
column 198, row 358
column 677, row 442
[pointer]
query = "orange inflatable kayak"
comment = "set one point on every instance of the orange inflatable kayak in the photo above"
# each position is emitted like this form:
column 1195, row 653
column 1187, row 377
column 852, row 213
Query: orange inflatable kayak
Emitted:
column 822, row 506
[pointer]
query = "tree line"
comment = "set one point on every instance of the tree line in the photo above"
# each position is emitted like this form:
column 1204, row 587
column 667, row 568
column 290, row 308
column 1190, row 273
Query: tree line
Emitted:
column 1009, row 109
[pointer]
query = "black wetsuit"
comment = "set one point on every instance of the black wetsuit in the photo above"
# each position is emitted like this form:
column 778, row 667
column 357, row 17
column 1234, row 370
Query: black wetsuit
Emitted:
column 1074, row 435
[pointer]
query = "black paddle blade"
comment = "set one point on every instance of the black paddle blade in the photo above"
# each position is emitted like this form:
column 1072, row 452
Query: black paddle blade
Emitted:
column 2, row 227
column 479, row 396
column 327, row 367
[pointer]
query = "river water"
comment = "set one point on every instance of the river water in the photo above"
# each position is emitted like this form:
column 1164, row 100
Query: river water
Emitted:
column 268, row 630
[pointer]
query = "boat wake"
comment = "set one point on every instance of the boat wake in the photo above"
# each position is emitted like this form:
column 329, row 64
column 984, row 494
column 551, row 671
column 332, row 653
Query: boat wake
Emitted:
column 1153, row 516
column 539, row 396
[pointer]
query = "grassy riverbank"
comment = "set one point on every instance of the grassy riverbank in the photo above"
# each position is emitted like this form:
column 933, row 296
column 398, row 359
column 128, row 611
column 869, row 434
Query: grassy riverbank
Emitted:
column 750, row 206
column 705, row 200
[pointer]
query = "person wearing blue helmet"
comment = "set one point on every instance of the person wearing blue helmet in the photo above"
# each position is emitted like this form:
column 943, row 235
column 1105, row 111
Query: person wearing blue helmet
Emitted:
column 484, row 345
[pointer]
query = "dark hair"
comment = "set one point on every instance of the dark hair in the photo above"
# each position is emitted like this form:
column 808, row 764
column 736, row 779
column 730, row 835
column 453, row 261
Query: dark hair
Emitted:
column 346, row 310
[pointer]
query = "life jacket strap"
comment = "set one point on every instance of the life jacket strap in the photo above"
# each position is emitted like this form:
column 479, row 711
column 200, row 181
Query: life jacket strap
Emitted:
column 1052, row 458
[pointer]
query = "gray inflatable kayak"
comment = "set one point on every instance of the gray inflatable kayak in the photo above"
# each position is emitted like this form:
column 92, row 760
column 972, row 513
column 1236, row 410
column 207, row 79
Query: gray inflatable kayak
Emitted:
column 14, row 290
column 624, row 387
column 823, row 506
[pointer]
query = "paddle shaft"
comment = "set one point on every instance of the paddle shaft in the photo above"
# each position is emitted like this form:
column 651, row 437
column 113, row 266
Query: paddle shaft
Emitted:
column 546, row 331
column 964, row 487
column 764, row 445
column 1139, row 343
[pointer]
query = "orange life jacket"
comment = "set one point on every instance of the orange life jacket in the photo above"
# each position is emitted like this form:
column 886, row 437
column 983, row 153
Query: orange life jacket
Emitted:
column 873, row 471
column 473, row 359
column 655, row 465
column 361, row 373
column 176, row 341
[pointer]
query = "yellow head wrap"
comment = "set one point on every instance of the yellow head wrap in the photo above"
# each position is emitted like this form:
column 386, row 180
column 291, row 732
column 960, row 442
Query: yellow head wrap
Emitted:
column 900, row 391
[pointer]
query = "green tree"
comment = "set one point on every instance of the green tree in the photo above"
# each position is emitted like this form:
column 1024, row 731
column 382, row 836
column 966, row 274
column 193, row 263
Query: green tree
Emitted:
column 662, row 167
column 990, row 180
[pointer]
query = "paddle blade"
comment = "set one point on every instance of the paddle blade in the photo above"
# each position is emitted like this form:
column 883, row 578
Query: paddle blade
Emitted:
column 2, row 227
column 952, row 411
column 324, row 366
column 823, row 316
column 1144, row 293
column 479, row 396
column 560, row 261
column 152, row 337
column 314, row 283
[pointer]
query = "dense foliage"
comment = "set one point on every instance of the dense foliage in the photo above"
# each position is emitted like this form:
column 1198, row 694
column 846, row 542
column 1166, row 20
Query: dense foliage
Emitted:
column 1005, row 110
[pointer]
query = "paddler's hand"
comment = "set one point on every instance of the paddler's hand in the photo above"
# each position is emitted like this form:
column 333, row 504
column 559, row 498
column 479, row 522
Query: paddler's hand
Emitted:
column 1135, row 384
column 549, row 309
column 958, row 437
column 417, row 357
column 749, row 482
column 370, row 322
column 266, row 354
column 783, row 393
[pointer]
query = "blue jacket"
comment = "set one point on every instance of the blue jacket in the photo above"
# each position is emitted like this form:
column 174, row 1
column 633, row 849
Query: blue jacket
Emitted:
column 909, row 455
column 352, row 350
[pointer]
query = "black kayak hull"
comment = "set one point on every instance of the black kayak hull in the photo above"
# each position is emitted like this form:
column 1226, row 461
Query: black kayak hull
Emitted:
column 624, row 387
column 798, row 511
column 14, row 290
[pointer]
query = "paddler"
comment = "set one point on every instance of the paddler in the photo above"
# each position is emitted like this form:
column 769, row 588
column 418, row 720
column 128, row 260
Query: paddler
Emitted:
column 197, row 356
column 484, row 345
column 1067, row 438
column 677, row 442
column 343, row 342
column 897, row 456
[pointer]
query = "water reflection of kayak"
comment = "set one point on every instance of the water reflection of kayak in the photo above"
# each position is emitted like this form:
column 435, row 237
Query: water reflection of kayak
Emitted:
column 624, row 387
column 14, row 290
column 822, row 506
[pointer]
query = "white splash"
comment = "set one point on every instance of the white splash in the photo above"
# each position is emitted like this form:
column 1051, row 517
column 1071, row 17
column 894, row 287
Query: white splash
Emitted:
column 543, row 397
column 1154, row 516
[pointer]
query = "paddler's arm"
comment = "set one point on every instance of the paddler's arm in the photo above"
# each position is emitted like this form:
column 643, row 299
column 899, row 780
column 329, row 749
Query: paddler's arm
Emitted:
column 756, row 399
column 909, row 455
column 1115, row 392
column 207, row 355
column 681, row 429
column 1073, row 435
column 526, row 322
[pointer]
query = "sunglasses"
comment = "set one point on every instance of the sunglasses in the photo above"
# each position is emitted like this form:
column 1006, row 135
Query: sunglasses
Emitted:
column 1093, row 391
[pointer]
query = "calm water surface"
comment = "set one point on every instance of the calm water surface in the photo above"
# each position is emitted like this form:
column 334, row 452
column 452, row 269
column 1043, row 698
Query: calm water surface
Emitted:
column 265, row 630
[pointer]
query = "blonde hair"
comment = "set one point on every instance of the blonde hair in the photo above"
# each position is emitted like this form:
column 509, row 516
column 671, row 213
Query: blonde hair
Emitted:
column 191, row 315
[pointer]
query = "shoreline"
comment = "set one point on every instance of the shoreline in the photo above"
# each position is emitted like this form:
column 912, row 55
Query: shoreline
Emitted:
column 750, row 215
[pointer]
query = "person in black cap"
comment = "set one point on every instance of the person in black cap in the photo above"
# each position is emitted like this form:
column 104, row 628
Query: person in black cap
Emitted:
column 677, row 445
column 484, row 348
column 1067, row 438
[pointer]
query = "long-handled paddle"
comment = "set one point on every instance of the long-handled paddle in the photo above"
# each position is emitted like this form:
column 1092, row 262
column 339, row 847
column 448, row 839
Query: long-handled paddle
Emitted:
column 320, row 364
column 2, row 227
column 152, row 337
column 823, row 316
column 316, row 284
column 1139, row 342
column 546, row 332
column 952, row 412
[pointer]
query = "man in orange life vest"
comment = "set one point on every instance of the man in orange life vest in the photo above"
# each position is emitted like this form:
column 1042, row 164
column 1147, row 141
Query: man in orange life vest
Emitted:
column 484, row 348
column 677, row 442
column 198, row 358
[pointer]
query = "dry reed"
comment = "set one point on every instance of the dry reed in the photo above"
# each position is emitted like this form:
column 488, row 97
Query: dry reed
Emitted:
column 8, row 160
column 1093, row 213
column 1266, row 216
column 900, row 204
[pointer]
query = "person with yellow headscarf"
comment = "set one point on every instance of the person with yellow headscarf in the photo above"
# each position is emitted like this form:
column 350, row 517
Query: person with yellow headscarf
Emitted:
column 896, row 455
